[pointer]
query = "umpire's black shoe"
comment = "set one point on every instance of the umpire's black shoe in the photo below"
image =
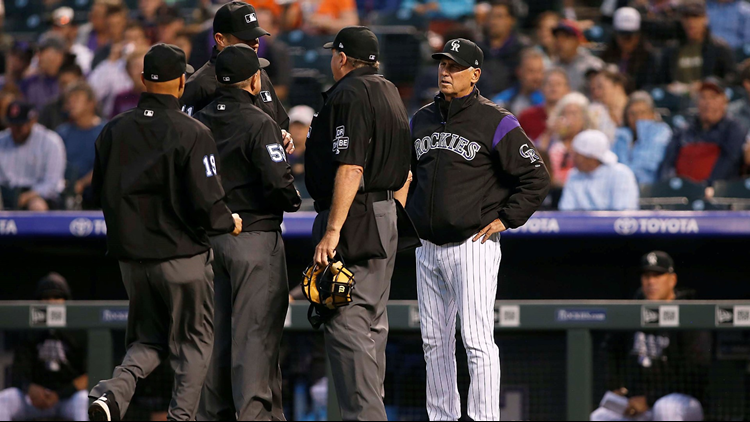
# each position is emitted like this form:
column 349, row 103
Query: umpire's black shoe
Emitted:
column 104, row 408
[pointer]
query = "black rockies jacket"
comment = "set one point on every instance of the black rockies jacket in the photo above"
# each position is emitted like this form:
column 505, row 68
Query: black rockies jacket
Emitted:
column 472, row 164
column 254, row 170
column 201, row 88
column 156, row 178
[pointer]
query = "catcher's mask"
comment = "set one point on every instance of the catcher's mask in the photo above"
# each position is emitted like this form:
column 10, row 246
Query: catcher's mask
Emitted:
column 330, row 286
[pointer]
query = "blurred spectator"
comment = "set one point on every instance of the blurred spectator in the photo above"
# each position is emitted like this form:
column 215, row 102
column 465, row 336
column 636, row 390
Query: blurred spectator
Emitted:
column 545, row 39
column 608, row 89
column 730, row 21
column 53, row 114
column 64, row 27
column 277, row 53
column 698, row 54
column 660, row 19
column 534, row 120
column 283, row 11
column 711, row 147
column 569, row 118
column 440, row 9
column 663, row 373
column 169, row 23
column 17, row 63
column 184, row 40
column 147, row 17
column 629, row 49
column 325, row 16
column 49, row 378
column 598, row 182
column 127, row 100
column 8, row 94
column 300, row 119
column 642, row 142
column 117, row 23
column 41, row 88
column 32, row 161
column 502, row 47
column 79, row 135
column 746, row 168
column 572, row 56
column 740, row 109
column 95, row 34
column 527, row 92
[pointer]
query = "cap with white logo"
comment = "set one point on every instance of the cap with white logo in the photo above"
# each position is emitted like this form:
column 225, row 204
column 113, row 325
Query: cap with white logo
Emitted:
column 239, row 19
column 357, row 42
column 462, row 51
column 165, row 62
column 238, row 63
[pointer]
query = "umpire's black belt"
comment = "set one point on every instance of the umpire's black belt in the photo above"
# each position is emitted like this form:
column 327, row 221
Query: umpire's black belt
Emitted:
column 370, row 197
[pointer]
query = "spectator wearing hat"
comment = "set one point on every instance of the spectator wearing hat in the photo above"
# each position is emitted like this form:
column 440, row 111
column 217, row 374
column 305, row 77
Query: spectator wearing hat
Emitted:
column 533, row 120
column 49, row 378
column 598, row 182
column 656, row 375
column 503, row 46
column 572, row 56
column 64, row 26
column 32, row 161
column 42, row 87
column 79, row 136
column 730, row 21
column 527, row 92
column 300, row 119
column 53, row 114
column 698, row 54
column 629, row 50
column 642, row 142
column 711, row 147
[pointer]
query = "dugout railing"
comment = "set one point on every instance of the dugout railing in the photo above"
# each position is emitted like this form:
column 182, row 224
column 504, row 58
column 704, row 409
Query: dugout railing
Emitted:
column 576, row 318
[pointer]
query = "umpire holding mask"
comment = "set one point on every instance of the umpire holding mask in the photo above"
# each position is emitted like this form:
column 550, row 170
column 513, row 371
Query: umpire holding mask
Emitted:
column 357, row 155
column 156, row 178
column 251, row 286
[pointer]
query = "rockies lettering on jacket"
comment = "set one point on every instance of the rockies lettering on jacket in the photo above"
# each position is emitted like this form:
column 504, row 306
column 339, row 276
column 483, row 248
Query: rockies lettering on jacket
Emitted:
column 472, row 164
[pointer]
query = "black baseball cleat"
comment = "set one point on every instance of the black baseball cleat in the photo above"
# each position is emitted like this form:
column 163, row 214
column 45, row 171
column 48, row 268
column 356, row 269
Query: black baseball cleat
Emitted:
column 104, row 408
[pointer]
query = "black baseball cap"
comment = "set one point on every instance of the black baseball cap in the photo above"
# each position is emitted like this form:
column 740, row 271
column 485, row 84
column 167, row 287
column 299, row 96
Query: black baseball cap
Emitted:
column 693, row 8
column 357, row 42
column 20, row 112
column 52, row 286
column 657, row 262
column 165, row 62
column 714, row 84
column 239, row 19
column 462, row 51
column 238, row 63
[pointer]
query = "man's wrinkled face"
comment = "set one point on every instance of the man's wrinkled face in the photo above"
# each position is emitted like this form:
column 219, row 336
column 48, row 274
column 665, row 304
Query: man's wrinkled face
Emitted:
column 455, row 79
column 658, row 286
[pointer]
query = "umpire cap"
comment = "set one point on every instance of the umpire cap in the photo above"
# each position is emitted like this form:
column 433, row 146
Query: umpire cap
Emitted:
column 165, row 62
column 462, row 51
column 238, row 63
column 239, row 19
column 357, row 42
column 657, row 262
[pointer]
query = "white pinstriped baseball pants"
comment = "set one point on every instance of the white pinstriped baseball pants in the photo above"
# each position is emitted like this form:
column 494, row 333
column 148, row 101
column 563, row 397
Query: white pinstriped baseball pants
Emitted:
column 460, row 278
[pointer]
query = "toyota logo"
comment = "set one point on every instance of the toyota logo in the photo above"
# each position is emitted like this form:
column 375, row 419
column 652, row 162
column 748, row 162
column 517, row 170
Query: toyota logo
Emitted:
column 81, row 227
column 626, row 226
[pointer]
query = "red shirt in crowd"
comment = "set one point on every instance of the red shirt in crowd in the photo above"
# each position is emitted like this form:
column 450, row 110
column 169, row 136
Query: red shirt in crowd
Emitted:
column 533, row 121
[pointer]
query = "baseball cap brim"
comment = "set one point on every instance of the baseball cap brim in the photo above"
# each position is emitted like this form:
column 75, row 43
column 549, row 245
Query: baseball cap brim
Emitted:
column 263, row 63
column 189, row 69
column 251, row 34
column 444, row 55
column 655, row 269
column 328, row 45
column 712, row 86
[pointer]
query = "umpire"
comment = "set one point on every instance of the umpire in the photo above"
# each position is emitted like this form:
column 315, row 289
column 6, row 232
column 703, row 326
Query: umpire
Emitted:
column 251, row 286
column 357, row 155
column 156, row 178
column 234, row 23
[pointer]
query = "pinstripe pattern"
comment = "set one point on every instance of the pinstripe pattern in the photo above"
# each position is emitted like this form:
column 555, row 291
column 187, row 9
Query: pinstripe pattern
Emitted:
column 460, row 279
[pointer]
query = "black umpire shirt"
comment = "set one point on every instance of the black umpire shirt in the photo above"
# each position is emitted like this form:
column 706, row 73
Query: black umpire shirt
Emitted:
column 363, row 122
column 156, row 178
column 254, row 170
column 201, row 88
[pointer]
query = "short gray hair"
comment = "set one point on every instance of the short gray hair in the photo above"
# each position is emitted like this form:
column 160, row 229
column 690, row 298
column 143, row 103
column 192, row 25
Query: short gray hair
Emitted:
column 576, row 99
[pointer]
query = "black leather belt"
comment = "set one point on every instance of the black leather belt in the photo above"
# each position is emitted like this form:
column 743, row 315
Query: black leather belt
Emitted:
column 325, row 205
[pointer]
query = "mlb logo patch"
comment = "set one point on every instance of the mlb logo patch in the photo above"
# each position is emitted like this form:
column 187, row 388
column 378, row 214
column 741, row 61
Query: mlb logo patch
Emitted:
column 221, row 107
column 154, row 77
column 250, row 18
column 266, row 96
column 341, row 45
column 148, row 113
column 372, row 57
column 226, row 78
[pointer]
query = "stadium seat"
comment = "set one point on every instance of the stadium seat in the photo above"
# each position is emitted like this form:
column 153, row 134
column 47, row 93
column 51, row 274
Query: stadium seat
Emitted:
column 674, row 194
column 734, row 194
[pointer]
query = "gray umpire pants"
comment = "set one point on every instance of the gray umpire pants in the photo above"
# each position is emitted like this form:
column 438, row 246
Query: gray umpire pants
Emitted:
column 170, row 316
column 357, row 335
column 252, row 298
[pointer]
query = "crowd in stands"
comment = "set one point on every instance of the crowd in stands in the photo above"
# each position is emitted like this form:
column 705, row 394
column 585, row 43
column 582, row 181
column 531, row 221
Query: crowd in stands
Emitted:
column 664, row 82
